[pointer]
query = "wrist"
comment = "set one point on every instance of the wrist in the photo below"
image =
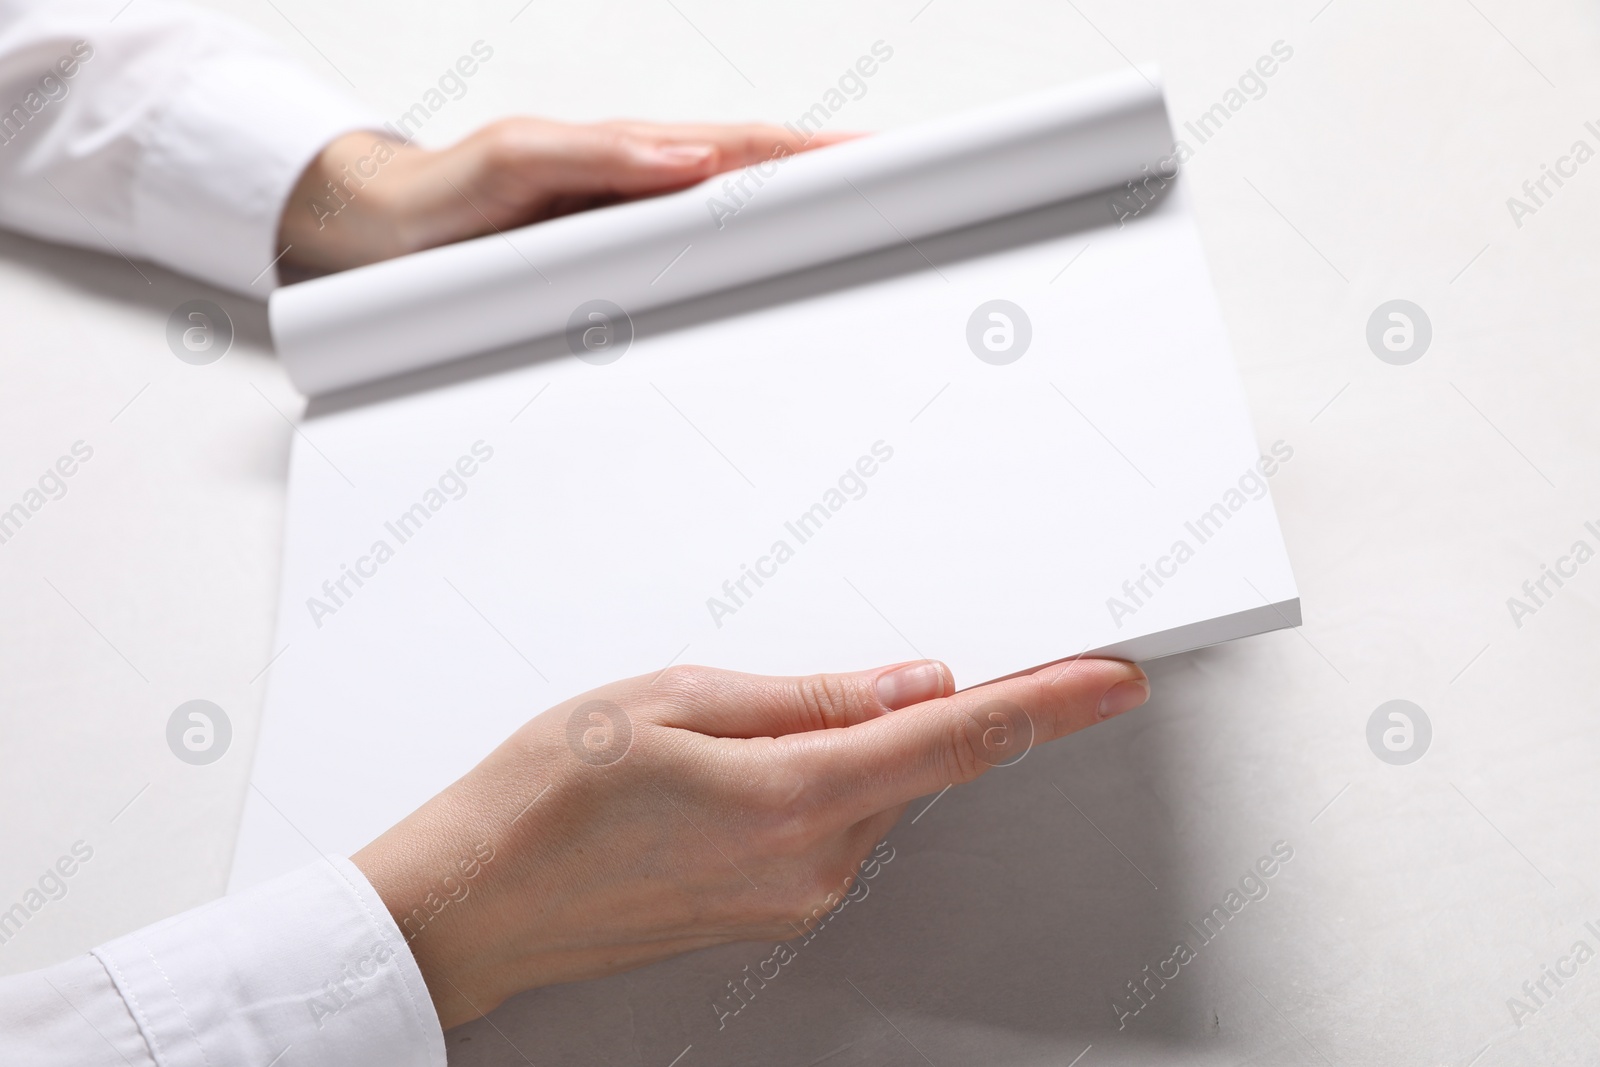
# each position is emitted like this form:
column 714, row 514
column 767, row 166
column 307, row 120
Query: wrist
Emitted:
column 454, row 878
column 350, row 206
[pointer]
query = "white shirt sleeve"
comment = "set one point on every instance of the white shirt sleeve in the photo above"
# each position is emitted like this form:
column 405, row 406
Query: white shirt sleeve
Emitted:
column 169, row 134
column 310, row 962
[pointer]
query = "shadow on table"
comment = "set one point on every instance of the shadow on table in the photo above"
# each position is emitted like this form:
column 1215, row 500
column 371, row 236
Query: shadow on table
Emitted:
column 136, row 283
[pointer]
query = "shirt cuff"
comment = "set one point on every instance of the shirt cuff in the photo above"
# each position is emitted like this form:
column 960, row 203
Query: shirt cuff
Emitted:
column 222, row 157
column 70, row 1013
column 310, row 961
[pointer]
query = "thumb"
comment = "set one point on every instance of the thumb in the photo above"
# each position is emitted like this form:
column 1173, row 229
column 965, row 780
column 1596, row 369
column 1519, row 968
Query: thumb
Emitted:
column 730, row 704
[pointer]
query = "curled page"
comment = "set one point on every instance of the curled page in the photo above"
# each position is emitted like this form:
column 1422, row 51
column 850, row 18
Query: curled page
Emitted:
column 775, row 217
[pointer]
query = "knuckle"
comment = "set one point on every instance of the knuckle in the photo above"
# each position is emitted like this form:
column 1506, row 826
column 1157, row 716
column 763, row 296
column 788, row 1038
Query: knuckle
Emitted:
column 826, row 700
column 681, row 682
column 616, row 145
column 785, row 815
column 965, row 754
column 506, row 142
column 996, row 733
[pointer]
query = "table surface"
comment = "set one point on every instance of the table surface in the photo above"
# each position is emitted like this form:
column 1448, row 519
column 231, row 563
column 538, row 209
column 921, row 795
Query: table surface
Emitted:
column 1374, row 164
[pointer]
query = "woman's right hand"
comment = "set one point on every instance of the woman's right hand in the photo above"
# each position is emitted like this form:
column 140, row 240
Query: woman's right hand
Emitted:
column 690, row 808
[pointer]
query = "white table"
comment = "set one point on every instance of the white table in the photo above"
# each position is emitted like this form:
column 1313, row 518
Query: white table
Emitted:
column 1375, row 166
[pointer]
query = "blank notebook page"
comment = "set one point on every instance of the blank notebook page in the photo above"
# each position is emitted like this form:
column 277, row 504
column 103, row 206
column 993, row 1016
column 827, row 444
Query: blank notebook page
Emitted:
column 815, row 473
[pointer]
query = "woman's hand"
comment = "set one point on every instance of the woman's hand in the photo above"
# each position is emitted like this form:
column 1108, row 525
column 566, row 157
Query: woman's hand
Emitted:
column 368, row 197
column 693, row 807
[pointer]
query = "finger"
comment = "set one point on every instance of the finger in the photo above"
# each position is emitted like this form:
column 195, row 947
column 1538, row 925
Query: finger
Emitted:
column 888, row 760
column 525, row 170
column 730, row 704
column 737, row 145
column 558, row 160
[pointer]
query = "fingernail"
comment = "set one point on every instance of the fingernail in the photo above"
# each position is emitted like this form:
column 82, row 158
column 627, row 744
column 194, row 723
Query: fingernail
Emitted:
column 1124, row 696
column 681, row 155
column 912, row 684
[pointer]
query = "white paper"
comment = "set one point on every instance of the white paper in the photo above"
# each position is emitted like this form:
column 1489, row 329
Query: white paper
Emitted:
column 613, row 509
column 780, row 216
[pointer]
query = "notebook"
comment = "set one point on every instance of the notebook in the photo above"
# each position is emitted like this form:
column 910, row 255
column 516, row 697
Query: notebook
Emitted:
column 959, row 391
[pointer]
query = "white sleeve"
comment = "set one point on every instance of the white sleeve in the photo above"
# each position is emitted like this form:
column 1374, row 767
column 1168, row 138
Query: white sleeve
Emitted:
column 310, row 962
column 169, row 134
